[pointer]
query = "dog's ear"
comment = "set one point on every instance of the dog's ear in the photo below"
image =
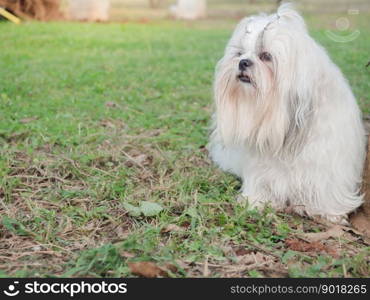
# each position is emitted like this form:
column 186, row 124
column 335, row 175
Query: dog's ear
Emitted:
column 227, row 92
column 300, row 114
column 288, row 14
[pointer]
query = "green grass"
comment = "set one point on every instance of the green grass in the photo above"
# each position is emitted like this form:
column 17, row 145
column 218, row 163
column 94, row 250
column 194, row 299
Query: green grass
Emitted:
column 94, row 117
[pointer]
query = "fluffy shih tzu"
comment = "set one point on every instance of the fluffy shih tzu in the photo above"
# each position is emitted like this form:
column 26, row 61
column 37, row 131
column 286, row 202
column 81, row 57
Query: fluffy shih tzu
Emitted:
column 286, row 121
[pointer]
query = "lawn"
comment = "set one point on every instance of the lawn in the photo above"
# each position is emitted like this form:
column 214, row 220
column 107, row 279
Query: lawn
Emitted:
column 103, row 163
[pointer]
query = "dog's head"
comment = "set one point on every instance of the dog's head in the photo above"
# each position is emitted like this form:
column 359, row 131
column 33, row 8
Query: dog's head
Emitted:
column 268, row 69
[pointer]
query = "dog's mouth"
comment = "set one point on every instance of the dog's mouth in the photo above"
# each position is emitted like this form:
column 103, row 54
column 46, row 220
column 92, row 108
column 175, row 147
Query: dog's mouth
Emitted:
column 244, row 78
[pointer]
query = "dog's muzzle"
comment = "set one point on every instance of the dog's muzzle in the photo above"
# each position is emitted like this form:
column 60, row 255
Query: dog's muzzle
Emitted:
column 244, row 64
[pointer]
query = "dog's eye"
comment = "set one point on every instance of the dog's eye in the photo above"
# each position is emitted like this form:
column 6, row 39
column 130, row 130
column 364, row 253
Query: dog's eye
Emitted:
column 239, row 53
column 265, row 56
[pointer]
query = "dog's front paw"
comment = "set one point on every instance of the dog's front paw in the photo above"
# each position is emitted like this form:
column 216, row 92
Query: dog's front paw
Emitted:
column 242, row 200
column 341, row 219
column 250, row 202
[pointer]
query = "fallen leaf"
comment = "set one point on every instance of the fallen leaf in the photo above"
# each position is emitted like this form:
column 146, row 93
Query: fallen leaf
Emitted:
column 144, row 175
column 333, row 232
column 28, row 120
column 140, row 159
column 107, row 123
column 150, row 270
column 111, row 104
column 122, row 232
column 362, row 223
column 185, row 224
column 227, row 250
column 150, row 209
column 127, row 254
column 247, row 259
column 242, row 251
column 260, row 257
column 146, row 269
column 171, row 228
column 303, row 246
column 170, row 267
column 132, row 210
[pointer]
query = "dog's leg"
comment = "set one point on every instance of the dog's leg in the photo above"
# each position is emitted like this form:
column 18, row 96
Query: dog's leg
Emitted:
column 251, row 200
column 341, row 220
column 228, row 159
column 242, row 198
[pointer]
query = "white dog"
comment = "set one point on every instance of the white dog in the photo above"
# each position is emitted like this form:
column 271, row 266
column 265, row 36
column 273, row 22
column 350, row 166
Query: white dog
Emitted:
column 286, row 121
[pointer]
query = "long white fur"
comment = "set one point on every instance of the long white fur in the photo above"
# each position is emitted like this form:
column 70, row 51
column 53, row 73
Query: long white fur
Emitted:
column 294, row 135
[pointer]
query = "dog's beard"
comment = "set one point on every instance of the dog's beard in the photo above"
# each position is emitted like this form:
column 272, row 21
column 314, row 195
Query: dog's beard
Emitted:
column 249, row 108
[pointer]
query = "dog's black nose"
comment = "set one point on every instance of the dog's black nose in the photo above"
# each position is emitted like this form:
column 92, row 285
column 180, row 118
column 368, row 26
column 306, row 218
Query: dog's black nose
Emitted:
column 245, row 63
